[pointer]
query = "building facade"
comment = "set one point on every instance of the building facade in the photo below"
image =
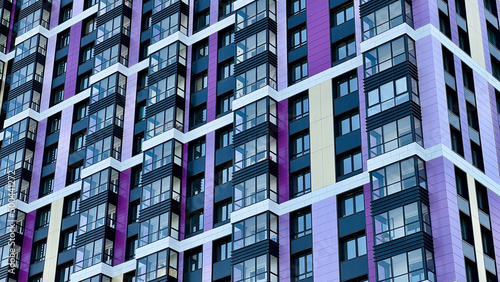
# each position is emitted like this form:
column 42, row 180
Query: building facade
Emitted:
column 249, row 140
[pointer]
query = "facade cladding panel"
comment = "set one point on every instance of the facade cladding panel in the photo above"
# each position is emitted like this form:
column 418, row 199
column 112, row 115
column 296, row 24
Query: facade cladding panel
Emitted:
column 262, row 140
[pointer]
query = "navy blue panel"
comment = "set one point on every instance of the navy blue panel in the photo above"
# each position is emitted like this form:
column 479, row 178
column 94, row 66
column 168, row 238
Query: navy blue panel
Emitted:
column 147, row 6
column 145, row 35
column 196, row 166
column 335, row 3
column 89, row 38
column 41, row 234
column 140, row 127
column 352, row 224
column 36, row 268
column 58, row 81
column 201, row 5
column 76, row 157
column 348, row 141
column 300, row 244
column 48, row 169
column 85, row 67
column 69, row 222
column 132, row 229
column 298, row 125
column 297, row 53
column 226, row 85
column 297, row 19
column 80, row 125
column 221, row 269
column 61, row 53
column 342, row 31
column 223, row 192
column 51, row 139
column 135, row 194
column 354, row 268
column 198, row 98
column 346, row 103
column 300, row 163
column 142, row 95
column 66, row 256
column 225, row 53
column 194, row 276
column 199, row 65
column 195, row 203
column 224, row 155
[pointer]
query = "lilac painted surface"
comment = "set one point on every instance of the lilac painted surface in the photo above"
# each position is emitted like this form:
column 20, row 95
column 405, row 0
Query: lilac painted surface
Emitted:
column 318, row 36
column 282, row 39
column 63, row 149
column 435, row 123
column 183, row 192
column 448, row 253
column 73, row 60
column 453, row 21
column 494, row 202
column 207, row 262
column 212, row 77
column 283, row 160
column 29, row 230
column 38, row 160
column 180, row 271
column 54, row 14
column 214, row 11
column 284, row 241
column 122, row 217
column 325, row 240
column 129, row 118
column 208, row 210
column 48, row 71
column 484, row 34
column 135, row 33
column 369, row 233
column 425, row 12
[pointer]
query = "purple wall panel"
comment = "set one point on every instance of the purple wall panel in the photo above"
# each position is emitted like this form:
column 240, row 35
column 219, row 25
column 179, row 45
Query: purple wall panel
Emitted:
column 129, row 117
column 484, row 34
column 284, row 241
column 494, row 201
column 448, row 253
column 369, row 233
column 135, row 33
column 318, row 36
column 212, row 77
column 453, row 21
column 73, row 60
column 207, row 262
column 425, row 12
column 325, row 240
column 282, row 49
column 29, row 230
column 283, row 161
column 181, row 266
column 37, row 160
column 208, row 210
column 63, row 149
column 54, row 14
column 214, row 11
column 122, row 217
column 48, row 71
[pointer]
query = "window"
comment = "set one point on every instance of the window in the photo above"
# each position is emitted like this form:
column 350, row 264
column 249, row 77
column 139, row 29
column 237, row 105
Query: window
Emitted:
column 391, row 94
column 223, row 211
column 300, row 145
column 402, row 221
column 173, row 53
column 348, row 123
column 255, row 151
column 113, row 27
column 109, row 147
column 482, row 197
column 471, row 271
column 444, row 24
column 170, row 151
column 408, row 266
column 89, row 25
column 159, row 5
column 226, row 36
column 200, row 82
column 65, row 273
column 461, row 183
column 83, row 81
column 168, row 26
column 386, row 18
column 115, row 83
column 388, row 55
column 224, row 103
column 300, row 107
column 261, row 268
column 50, row 154
column 196, row 185
column 39, row 251
column 111, row 56
column 161, row 190
column 105, row 180
column 301, row 223
column 89, row 254
column 297, row 6
column 343, row 15
column 27, row 100
column 255, row 11
column 198, row 116
column 157, row 228
column 40, row 17
column 222, row 249
column 65, row 13
column 224, row 138
column 490, row 6
column 226, row 69
column 158, row 265
column 16, row 160
column 30, row 46
column 254, row 114
column 43, row 218
column 171, row 85
column 194, row 260
column 200, row 50
column 87, row 53
column 226, row 7
column 53, row 124
column 26, row 128
column 349, row 163
column 463, row 40
column 487, row 240
column 223, row 174
column 477, row 154
column 394, row 135
column 201, row 19
column 255, row 229
column 254, row 79
column 57, row 95
column 255, row 190
column 254, row 45
column 81, row 110
column 344, row 49
column 351, row 203
column 71, row 205
column 302, row 266
column 353, row 247
column 299, row 71
column 63, row 40
column 104, row 214
column 112, row 114
column 33, row 71
column 68, row 239
column 197, row 150
column 195, row 223
column 47, row 185
column 347, row 86
column 78, row 141
column 301, row 184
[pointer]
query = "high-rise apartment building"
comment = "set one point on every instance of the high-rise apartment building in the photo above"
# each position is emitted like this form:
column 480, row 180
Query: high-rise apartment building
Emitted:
column 249, row 140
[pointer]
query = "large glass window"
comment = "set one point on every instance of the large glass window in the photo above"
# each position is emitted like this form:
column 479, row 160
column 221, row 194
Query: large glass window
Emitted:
column 158, row 265
column 254, row 12
column 107, row 179
column 161, row 155
column 255, row 229
column 252, row 152
column 402, row 221
column 104, row 214
column 410, row 266
column 164, row 121
column 159, row 227
column 36, row 43
column 254, row 190
column 27, row 100
column 103, row 149
column 94, row 253
column 391, row 94
column 168, row 26
column 19, row 130
column 255, row 44
column 113, row 27
column 347, row 86
column 261, row 268
column 397, row 177
column 21, row 158
column 302, row 266
column 301, row 145
column 297, row 6
column 167, row 56
column 161, row 190
column 159, row 5
column 343, row 15
column 33, row 71
column 222, row 249
column 112, row 114
column 173, row 84
column 300, row 183
column 111, row 56
column 386, row 18
column 298, row 37
column 255, row 79
column 40, row 17
column 255, row 114
column 389, row 54
column 394, row 135
column 344, row 49
column 115, row 83
column 351, row 203
column 353, row 247
column 108, row 5
column 301, row 224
